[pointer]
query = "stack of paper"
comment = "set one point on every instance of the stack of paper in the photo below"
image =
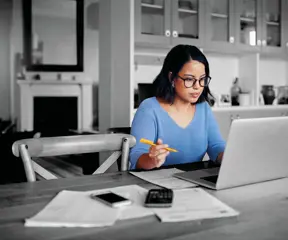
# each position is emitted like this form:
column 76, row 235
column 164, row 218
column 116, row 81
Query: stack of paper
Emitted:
column 164, row 178
column 194, row 204
column 78, row 209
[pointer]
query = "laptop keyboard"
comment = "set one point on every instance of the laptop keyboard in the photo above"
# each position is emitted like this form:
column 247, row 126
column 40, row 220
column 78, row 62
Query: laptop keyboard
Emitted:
column 212, row 178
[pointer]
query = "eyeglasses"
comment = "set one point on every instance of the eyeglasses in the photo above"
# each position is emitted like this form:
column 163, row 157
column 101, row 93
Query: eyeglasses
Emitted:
column 190, row 81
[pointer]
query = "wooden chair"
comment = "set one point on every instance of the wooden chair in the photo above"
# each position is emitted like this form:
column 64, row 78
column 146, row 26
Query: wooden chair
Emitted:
column 57, row 146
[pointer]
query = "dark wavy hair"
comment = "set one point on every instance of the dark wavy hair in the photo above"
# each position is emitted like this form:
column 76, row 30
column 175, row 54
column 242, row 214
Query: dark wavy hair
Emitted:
column 174, row 61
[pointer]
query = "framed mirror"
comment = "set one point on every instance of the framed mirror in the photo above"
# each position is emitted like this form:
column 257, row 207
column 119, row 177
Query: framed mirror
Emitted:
column 53, row 35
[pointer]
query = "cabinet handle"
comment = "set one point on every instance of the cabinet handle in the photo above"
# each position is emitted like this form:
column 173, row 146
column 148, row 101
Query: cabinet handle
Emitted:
column 175, row 34
column 286, row 44
column 231, row 39
column 264, row 42
column 167, row 33
column 259, row 42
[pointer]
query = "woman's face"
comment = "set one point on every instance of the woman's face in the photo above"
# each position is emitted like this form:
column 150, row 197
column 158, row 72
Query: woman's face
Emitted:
column 190, row 71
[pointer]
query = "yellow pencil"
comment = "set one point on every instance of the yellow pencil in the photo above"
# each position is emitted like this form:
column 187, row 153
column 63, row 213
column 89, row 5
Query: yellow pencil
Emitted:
column 143, row 140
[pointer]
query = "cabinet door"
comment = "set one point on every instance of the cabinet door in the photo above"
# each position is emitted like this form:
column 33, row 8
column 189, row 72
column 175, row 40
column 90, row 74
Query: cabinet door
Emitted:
column 153, row 21
column 220, row 25
column 248, row 25
column 188, row 22
column 274, row 26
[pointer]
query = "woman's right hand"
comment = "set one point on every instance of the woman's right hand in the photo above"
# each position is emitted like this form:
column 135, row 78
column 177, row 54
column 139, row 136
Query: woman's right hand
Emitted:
column 158, row 153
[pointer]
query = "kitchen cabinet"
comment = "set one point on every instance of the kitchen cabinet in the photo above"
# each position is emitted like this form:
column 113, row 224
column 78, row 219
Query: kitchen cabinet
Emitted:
column 188, row 22
column 220, row 26
column 225, row 116
column 230, row 26
column 153, row 22
column 169, row 22
column 274, row 27
column 262, row 26
column 248, row 25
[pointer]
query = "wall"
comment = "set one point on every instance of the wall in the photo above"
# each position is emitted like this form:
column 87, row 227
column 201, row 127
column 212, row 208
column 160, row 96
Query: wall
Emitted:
column 273, row 72
column 146, row 73
column 5, row 24
column 249, row 76
column 223, row 70
column 91, row 51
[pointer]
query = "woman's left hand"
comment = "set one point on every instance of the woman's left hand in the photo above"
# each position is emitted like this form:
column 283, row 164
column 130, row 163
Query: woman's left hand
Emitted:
column 219, row 157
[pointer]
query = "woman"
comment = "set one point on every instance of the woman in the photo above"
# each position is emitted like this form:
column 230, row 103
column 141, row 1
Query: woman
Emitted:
column 179, row 116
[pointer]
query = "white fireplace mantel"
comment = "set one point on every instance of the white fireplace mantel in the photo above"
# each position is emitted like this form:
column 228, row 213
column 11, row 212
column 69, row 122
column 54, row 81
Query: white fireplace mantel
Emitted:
column 53, row 88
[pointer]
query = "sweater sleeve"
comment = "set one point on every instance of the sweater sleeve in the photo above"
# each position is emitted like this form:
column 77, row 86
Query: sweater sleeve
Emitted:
column 143, row 126
column 216, row 144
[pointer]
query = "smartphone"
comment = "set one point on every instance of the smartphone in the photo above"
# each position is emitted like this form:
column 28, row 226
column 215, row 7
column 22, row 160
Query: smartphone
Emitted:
column 112, row 199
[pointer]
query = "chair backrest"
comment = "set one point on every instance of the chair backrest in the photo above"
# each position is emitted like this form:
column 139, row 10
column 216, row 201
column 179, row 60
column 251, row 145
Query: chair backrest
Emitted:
column 56, row 146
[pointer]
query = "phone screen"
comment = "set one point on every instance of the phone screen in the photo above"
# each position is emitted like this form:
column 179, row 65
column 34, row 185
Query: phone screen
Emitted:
column 110, row 197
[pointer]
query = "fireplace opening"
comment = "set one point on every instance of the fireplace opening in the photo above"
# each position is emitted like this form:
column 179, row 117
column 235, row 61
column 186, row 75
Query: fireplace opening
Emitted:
column 55, row 115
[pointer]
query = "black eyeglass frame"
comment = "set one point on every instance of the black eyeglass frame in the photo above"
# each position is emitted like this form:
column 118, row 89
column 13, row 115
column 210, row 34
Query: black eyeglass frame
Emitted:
column 195, row 80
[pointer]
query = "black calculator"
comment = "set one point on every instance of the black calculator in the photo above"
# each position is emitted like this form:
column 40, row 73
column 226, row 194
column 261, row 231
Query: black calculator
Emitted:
column 159, row 198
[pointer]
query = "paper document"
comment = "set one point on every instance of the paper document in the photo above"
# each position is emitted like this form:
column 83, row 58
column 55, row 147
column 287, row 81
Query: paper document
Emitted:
column 78, row 209
column 74, row 209
column 164, row 178
column 194, row 204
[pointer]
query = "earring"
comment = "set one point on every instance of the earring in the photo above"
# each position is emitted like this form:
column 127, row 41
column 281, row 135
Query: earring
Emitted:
column 173, row 84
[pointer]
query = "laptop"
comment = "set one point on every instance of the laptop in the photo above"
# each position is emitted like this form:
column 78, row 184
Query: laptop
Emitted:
column 256, row 151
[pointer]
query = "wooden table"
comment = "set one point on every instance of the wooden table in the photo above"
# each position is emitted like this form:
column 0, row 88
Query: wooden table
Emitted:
column 263, row 212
